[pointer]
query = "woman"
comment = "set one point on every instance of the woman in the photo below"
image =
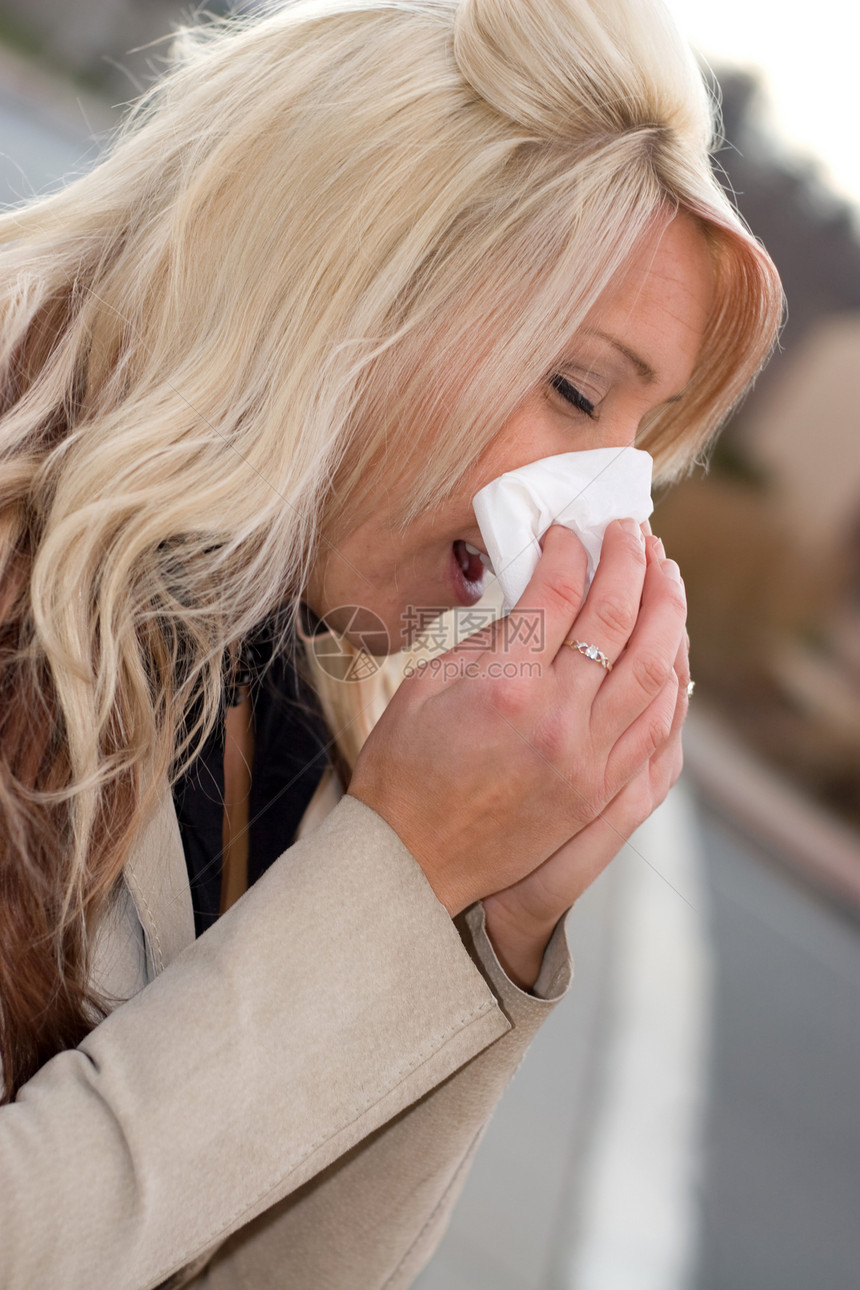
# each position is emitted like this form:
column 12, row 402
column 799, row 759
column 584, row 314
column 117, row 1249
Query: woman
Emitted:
column 347, row 264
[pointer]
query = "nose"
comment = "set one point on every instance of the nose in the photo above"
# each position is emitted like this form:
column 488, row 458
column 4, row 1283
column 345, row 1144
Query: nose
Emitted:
column 602, row 437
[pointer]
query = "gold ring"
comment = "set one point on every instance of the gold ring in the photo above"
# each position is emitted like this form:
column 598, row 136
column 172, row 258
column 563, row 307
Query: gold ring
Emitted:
column 592, row 652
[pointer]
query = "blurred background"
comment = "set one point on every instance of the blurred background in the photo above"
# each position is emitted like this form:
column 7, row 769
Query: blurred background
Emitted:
column 690, row 1117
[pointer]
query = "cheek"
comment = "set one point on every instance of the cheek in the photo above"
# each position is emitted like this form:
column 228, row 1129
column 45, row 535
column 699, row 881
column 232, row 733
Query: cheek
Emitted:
column 530, row 433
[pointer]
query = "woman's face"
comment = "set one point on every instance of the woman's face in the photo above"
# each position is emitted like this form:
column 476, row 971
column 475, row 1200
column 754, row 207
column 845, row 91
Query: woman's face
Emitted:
column 636, row 351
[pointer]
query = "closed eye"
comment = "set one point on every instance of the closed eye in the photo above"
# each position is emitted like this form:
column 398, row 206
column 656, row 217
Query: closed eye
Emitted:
column 572, row 395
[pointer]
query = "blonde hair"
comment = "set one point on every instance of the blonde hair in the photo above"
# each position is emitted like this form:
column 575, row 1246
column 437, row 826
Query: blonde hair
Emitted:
column 333, row 243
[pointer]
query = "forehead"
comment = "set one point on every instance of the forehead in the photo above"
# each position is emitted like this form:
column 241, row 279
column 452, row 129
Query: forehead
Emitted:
column 658, row 307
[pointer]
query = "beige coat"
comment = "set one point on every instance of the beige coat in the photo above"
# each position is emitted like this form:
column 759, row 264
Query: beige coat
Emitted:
column 299, row 1091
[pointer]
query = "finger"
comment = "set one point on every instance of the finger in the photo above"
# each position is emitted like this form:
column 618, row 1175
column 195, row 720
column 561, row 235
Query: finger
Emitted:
column 609, row 614
column 682, row 671
column 653, row 650
column 682, row 663
column 642, row 793
column 553, row 596
column 562, row 879
column 644, row 739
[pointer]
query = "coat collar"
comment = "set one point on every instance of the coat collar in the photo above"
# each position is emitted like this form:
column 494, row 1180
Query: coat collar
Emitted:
column 156, row 877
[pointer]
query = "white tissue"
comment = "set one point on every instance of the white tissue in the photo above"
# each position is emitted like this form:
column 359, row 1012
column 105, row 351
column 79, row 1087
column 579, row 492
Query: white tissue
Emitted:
column 584, row 491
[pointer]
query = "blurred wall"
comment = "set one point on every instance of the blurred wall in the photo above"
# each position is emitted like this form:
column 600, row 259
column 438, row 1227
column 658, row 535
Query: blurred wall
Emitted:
column 100, row 41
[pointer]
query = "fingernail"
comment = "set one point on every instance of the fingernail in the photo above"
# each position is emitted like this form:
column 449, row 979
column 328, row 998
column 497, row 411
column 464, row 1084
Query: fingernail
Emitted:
column 671, row 570
column 631, row 527
column 661, row 550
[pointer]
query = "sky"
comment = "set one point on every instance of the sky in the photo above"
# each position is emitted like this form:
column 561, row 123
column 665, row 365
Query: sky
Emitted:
column 809, row 56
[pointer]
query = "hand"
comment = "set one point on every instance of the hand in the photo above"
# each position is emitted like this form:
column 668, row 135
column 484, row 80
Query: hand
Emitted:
column 490, row 763
column 521, row 918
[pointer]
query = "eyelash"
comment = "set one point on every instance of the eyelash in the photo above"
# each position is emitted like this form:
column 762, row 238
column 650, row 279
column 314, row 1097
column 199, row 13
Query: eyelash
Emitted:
column 572, row 395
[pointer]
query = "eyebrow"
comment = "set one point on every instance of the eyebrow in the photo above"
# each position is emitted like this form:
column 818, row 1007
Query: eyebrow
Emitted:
column 645, row 370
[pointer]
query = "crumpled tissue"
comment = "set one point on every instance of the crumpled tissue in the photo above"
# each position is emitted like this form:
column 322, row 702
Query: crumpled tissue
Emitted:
column 584, row 491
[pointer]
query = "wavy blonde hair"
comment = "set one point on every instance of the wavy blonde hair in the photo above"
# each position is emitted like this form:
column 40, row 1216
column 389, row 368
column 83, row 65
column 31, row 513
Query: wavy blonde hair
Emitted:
column 332, row 243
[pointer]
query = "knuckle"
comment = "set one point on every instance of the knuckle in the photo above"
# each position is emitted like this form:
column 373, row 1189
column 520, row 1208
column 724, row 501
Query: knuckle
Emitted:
column 659, row 729
column 564, row 593
column 651, row 672
column 509, row 697
column 614, row 616
column 551, row 736
column 585, row 802
column 677, row 598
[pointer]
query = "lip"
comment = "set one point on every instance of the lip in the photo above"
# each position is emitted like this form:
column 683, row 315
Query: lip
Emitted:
column 467, row 591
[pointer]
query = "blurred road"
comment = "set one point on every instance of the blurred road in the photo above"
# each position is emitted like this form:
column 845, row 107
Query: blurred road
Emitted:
column 782, row 1150
column 689, row 1117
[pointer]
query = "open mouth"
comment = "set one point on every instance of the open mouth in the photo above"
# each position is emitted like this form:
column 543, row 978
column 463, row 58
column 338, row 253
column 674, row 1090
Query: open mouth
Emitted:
column 467, row 573
column 472, row 562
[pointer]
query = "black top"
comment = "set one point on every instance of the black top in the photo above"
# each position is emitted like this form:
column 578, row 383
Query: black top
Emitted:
column 291, row 745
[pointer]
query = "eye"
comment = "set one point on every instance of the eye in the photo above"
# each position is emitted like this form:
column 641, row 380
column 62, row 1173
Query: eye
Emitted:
column 572, row 395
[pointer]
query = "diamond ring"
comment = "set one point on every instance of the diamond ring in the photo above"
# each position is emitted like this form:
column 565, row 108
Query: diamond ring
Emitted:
column 592, row 652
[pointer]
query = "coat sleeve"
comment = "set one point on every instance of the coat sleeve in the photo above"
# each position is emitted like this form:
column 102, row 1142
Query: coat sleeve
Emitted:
column 333, row 997
column 373, row 1220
